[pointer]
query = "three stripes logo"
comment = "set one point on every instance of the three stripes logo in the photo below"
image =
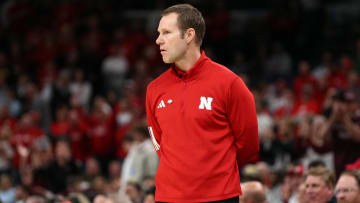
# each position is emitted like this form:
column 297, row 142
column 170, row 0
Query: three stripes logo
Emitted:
column 161, row 105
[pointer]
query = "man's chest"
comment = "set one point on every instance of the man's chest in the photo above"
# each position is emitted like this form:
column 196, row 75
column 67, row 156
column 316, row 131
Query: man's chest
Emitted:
column 190, row 102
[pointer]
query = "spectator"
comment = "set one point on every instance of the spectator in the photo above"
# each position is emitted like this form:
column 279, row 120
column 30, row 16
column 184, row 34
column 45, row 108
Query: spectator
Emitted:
column 100, row 130
column 290, row 189
column 6, row 151
column 13, row 103
column 78, row 197
column 142, row 160
column 321, row 71
column 7, row 190
column 114, row 170
column 319, row 185
column 115, row 68
column 279, row 64
column 303, row 78
column 150, row 195
column 99, row 185
column 92, row 169
column 314, row 146
column 62, row 167
column 102, row 199
column 342, row 130
column 269, row 178
column 60, row 125
column 252, row 192
column 77, row 135
column 347, row 189
column 35, row 199
column 80, row 89
column 22, row 193
column 134, row 192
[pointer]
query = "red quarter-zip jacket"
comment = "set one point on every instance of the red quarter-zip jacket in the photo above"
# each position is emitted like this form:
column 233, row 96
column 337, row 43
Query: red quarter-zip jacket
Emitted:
column 203, row 125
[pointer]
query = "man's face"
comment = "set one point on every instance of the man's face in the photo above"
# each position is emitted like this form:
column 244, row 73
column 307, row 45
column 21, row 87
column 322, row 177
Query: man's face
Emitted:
column 172, row 43
column 347, row 190
column 316, row 190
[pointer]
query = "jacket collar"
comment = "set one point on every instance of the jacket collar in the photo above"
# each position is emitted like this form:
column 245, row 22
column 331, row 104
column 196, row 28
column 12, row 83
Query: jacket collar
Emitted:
column 193, row 72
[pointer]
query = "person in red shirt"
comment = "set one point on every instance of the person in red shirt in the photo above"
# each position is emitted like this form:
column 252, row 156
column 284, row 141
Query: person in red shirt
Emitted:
column 201, row 117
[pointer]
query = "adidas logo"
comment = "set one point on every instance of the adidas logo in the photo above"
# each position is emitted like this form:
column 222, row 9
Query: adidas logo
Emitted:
column 161, row 105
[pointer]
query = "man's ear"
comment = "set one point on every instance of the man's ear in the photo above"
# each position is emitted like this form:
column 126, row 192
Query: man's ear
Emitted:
column 189, row 35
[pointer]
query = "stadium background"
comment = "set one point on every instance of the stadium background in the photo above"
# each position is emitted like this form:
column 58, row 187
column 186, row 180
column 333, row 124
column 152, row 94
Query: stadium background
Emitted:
column 73, row 77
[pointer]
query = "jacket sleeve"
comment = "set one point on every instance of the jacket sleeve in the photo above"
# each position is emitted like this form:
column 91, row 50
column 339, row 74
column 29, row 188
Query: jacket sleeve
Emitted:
column 153, row 126
column 242, row 116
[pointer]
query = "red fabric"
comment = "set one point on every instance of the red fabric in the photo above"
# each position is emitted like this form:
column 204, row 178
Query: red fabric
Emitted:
column 121, row 131
column 119, row 140
column 24, row 137
column 132, row 44
column 353, row 166
column 337, row 80
column 301, row 81
column 100, row 135
column 78, row 141
column 11, row 122
column 306, row 107
column 200, row 149
column 60, row 128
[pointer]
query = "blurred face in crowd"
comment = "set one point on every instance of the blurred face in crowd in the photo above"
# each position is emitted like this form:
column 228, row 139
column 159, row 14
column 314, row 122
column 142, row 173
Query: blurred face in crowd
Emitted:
column 171, row 39
column 5, row 182
column 316, row 190
column 62, row 151
column 21, row 193
column 347, row 190
column 92, row 167
column 132, row 191
column 252, row 192
column 114, row 169
column 150, row 198
column 102, row 199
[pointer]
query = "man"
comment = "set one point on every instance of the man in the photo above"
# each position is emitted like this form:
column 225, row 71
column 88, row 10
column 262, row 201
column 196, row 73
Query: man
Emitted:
column 347, row 189
column 141, row 160
column 201, row 116
column 341, row 131
column 253, row 192
column 319, row 184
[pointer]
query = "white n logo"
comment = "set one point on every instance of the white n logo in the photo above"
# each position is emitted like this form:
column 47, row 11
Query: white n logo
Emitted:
column 205, row 102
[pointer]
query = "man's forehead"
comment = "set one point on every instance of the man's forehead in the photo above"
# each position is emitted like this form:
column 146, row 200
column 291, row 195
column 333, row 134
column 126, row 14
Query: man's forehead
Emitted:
column 347, row 180
column 168, row 20
column 316, row 179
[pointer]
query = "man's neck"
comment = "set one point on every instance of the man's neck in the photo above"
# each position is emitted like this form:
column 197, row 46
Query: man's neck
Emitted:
column 189, row 59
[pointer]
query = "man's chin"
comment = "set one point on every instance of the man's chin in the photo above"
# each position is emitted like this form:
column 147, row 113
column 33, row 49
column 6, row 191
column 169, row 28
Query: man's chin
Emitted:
column 167, row 61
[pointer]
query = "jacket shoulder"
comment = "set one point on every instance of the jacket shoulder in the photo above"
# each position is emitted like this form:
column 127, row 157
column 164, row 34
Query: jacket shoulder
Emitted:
column 221, row 72
column 159, row 81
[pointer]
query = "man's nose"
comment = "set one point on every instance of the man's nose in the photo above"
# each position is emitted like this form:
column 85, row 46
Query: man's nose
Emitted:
column 159, row 40
column 340, row 195
column 308, row 190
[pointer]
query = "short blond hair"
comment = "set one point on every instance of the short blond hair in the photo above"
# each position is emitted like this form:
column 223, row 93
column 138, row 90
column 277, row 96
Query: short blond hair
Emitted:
column 325, row 174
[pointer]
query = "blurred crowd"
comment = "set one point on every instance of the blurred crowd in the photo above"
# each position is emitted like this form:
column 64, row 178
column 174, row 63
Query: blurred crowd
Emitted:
column 73, row 76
